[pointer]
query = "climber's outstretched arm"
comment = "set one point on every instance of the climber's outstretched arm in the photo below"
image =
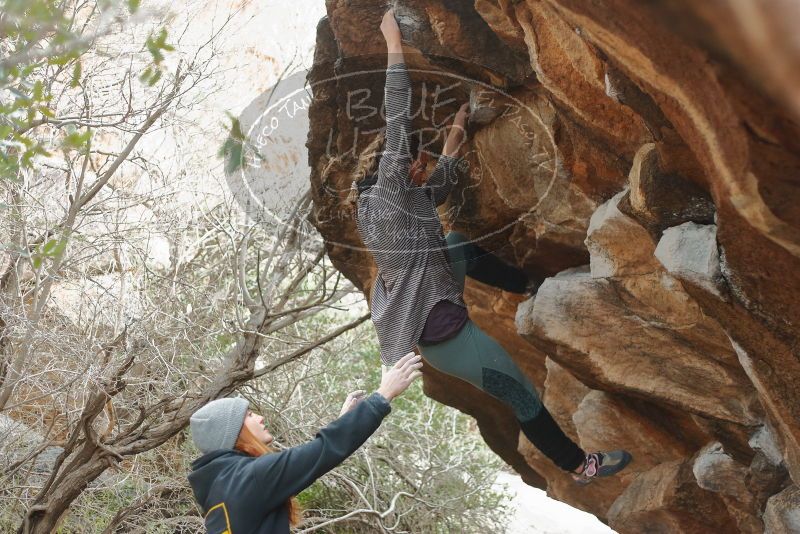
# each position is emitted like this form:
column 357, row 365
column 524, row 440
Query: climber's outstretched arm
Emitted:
column 391, row 33
column 396, row 159
column 457, row 135
column 446, row 174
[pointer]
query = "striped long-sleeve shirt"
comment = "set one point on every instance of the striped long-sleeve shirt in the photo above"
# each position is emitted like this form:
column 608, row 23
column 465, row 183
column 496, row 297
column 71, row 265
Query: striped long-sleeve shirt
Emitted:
column 399, row 224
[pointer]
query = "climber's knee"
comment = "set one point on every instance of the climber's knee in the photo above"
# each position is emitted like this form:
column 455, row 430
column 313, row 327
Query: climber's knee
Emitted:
column 522, row 400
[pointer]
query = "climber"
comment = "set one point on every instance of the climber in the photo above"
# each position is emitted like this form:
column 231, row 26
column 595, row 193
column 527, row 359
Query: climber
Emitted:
column 242, row 485
column 417, row 296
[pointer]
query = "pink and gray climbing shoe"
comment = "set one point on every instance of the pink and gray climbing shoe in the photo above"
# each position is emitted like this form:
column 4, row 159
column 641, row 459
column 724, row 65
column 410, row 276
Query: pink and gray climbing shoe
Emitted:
column 602, row 464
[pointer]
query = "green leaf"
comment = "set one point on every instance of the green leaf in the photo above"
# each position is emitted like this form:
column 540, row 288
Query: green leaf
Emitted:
column 233, row 159
column 52, row 249
column 76, row 140
column 162, row 37
column 236, row 130
column 58, row 61
column 9, row 170
column 38, row 90
column 41, row 150
column 47, row 112
column 145, row 75
column 76, row 74
column 155, row 45
column 59, row 248
column 133, row 5
column 154, row 79
column 232, row 150
column 29, row 143
column 49, row 246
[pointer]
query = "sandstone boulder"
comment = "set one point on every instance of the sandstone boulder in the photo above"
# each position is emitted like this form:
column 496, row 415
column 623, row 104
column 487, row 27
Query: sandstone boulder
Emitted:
column 611, row 256
column 689, row 251
column 667, row 499
column 718, row 472
column 643, row 158
column 782, row 515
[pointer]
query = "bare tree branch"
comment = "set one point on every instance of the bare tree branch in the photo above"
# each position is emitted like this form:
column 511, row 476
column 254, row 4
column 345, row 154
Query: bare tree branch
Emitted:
column 308, row 348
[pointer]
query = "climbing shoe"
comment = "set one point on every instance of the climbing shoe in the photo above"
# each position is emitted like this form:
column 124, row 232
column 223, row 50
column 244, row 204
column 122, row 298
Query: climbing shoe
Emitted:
column 602, row 464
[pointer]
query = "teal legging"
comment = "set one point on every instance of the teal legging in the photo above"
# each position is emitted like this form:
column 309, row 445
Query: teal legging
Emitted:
column 474, row 356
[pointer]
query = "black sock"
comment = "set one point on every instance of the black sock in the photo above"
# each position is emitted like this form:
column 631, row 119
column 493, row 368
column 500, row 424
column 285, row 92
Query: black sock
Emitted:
column 548, row 437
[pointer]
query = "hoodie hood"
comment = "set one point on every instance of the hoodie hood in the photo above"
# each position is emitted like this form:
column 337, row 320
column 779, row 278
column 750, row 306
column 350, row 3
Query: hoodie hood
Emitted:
column 207, row 468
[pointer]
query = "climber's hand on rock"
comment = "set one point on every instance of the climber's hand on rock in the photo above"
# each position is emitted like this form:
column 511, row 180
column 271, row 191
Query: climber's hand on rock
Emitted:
column 390, row 29
column 462, row 115
column 457, row 136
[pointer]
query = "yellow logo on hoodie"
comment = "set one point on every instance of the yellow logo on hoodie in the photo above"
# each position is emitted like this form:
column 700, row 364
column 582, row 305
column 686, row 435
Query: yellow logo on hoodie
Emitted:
column 217, row 520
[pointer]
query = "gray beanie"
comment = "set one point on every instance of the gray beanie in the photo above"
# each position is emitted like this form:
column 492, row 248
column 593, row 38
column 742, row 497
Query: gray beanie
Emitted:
column 217, row 424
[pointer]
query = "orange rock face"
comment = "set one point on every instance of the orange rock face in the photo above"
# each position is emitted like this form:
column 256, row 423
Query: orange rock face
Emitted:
column 643, row 158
